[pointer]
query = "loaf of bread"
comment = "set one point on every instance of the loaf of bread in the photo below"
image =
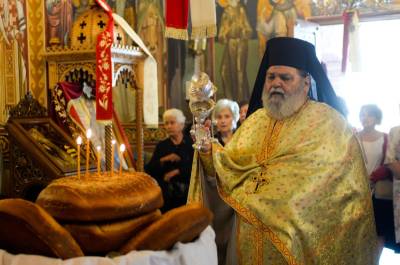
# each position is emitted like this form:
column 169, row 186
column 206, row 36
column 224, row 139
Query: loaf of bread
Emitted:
column 26, row 228
column 181, row 224
column 105, row 237
column 101, row 198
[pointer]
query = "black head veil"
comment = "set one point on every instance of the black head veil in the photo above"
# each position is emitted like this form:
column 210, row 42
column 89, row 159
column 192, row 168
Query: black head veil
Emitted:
column 301, row 55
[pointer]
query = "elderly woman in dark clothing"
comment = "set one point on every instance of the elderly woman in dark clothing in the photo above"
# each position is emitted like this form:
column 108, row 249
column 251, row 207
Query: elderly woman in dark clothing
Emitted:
column 171, row 162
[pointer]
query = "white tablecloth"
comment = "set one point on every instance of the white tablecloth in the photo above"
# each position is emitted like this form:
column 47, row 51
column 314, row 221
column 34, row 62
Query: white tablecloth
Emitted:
column 203, row 251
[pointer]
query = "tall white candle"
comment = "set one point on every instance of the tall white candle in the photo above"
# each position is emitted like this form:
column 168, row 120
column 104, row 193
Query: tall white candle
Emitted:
column 121, row 157
column 98, row 148
column 88, row 136
column 112, row 156
column 78, row 150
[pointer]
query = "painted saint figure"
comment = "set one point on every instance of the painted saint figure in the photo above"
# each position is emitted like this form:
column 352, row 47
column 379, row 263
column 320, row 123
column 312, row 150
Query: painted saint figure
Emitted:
column 150, row 27
column 59, row 18
column 277, row 18
column 234, row 32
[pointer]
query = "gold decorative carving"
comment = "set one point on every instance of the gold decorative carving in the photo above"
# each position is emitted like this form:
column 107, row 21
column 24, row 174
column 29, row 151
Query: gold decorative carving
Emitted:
column 89, row 25
column 4, row 145
column 36, row 48
column 28, row 107
column 64, row 69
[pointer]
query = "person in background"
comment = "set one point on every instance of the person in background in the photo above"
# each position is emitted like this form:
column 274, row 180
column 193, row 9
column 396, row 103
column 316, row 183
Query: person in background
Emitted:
column 226, row 115
column 171, row 162
column 373, row 142
column 243, row 107
column 388, row 211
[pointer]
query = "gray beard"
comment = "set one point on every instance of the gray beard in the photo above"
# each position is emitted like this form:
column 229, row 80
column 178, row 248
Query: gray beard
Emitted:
column 286, row 106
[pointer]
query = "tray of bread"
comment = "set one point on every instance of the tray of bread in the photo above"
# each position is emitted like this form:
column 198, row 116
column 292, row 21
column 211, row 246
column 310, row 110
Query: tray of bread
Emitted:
column 97, row 215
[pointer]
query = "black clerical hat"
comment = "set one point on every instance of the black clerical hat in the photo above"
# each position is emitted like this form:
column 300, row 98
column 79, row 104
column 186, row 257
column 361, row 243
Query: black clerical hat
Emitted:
column 301, row 55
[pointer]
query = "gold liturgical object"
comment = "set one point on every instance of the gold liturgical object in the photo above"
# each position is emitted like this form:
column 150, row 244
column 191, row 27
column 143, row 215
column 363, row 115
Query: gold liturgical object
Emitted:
column 77, row 63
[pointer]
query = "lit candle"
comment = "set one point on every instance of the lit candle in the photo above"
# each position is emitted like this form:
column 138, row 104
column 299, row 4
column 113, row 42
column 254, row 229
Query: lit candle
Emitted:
column 98, row 148
column 121, row 155
column 78, row 150
column 112, row 157
column 88, row 135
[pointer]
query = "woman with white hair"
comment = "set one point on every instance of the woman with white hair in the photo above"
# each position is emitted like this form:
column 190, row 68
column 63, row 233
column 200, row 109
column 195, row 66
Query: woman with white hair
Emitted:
column 171, row 162
column 226, row 116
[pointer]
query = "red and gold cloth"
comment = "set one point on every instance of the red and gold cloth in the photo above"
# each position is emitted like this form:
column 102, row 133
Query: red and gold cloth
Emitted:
column 176, row 19
column 104, row 108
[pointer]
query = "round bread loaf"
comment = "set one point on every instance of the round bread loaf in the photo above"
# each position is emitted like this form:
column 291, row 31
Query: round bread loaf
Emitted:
column 103, row 238
column 181, row 224
column 26, row 228
column 101, row 198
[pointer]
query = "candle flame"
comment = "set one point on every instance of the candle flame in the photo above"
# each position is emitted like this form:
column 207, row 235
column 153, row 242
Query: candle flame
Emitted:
column 89, row 133
column 122, row 148
column 98, row 148
column 79, row 140
column 113, row 142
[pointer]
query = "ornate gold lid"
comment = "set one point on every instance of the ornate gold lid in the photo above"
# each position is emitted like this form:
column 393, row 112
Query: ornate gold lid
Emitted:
column 89, row 25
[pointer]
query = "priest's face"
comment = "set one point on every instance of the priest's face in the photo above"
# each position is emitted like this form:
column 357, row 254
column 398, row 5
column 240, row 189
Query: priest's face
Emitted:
column 285, row 91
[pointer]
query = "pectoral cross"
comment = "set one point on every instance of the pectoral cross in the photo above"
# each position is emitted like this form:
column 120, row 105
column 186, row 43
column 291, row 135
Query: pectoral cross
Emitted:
column 261, row 179
column 259, row 182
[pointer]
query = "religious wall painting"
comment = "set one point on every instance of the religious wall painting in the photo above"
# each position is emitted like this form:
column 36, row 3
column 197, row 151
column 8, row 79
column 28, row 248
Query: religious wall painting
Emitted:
column 243, row 29
column 234, row 34
column 150, row 27
column 126, row 9
column 277, row 18
column 13, row 45
column 60, row 16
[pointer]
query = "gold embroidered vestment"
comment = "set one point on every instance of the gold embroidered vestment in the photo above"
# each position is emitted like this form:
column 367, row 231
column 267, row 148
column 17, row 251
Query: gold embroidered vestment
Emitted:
column 298, row 187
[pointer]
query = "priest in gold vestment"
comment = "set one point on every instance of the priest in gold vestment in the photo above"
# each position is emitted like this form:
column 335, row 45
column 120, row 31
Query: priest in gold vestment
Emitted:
column 293, row 172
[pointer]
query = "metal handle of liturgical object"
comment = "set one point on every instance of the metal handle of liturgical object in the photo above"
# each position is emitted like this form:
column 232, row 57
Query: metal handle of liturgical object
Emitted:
column 201, row 91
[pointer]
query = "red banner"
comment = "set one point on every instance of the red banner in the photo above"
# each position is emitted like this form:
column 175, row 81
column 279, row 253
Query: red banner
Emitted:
column 176, row 19
column 104, row 107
